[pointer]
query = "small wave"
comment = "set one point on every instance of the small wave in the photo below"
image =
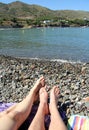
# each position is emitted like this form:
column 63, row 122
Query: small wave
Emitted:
column 46, row 59
column 66, row 61
column 1, row 29
column 53, row 60
column 58, row 60
column 21, row 57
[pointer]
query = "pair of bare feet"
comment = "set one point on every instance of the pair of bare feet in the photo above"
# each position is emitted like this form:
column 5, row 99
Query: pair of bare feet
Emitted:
column 40, row 90
column 14, row 116
column 56, row 122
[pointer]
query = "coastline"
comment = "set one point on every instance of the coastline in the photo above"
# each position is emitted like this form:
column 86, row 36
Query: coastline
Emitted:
column 17, row 76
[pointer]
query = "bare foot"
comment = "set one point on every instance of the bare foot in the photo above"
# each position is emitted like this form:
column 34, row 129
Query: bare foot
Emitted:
column 43, row 99
column 39, row 84
column 54, row 94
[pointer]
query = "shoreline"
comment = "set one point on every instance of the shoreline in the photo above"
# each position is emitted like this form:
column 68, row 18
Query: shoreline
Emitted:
column 17, row 76
column 45, row 59
column 46, row 26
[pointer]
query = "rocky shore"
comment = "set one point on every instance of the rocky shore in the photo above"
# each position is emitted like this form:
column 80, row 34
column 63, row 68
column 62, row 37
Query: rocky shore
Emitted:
column 17, row 76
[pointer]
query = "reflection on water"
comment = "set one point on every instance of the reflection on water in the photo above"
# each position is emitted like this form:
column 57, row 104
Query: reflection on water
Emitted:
column 50, row 43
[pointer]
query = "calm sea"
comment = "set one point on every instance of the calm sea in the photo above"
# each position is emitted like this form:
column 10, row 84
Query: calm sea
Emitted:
column 71, row 44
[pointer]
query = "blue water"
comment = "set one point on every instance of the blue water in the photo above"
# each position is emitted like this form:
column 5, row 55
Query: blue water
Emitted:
column 71, row 44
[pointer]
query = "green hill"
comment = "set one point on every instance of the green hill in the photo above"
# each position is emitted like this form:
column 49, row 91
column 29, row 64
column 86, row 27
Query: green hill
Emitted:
column 71, row 14
column 19, row 13
column 20, row 9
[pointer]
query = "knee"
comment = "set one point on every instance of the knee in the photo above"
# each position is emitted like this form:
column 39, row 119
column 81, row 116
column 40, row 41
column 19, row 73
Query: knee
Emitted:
column 15, row 115
column 3, row 113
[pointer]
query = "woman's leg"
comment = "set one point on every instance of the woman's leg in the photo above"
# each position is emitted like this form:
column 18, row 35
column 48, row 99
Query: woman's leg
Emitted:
column 56, row 120
column 16, row 115
column 38, row 121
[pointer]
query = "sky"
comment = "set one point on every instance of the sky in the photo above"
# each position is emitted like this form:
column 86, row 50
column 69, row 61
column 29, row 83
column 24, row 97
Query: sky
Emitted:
column 57, row 4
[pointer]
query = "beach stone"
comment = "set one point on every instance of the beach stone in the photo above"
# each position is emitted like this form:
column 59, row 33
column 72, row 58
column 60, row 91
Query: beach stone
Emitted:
column 68, row 102
column 74, row 97
column 67, row 92
column 13, row 85
column 68, row 111
column 17, row 77
column 83, row 69
column 76, row 87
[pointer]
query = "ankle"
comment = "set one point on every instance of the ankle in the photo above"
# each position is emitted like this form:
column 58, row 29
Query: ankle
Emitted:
column 43, row 105
column 32, row 91
column 52, row 106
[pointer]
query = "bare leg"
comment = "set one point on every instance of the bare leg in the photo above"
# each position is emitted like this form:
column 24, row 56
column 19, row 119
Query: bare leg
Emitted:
column 7, row 110
column 38, row 121
column 56, row 120
column 16, row 115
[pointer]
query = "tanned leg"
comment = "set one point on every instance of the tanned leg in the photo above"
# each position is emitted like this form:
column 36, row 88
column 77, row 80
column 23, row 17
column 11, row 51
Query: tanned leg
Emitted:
column 17, row 114
column 56, row 120
column 38, row 121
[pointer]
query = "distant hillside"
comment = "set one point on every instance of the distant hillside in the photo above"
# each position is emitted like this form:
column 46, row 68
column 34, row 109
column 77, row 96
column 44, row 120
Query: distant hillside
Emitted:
column 20, row 9
column 71, row 14
column 10, row 13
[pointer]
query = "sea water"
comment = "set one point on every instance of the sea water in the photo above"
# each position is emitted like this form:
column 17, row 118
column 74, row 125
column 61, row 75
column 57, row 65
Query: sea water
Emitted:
column 54, row 43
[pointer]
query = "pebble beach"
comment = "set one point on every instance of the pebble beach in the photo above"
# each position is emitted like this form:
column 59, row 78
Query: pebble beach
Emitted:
column 17, row 77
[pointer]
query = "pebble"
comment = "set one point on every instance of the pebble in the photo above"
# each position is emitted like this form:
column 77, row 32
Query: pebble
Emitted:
column 17, row 76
